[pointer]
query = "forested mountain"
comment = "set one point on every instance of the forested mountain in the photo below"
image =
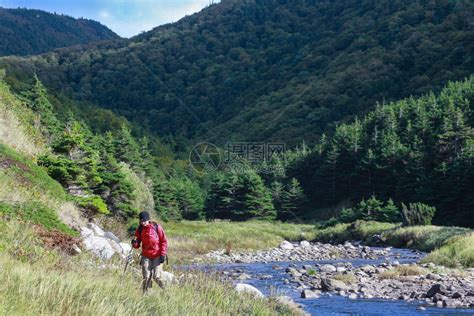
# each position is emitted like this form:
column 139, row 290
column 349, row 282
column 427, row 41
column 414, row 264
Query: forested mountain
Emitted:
column 267, row 70
column 338, row 75
column 409, row 151
column 30, row 32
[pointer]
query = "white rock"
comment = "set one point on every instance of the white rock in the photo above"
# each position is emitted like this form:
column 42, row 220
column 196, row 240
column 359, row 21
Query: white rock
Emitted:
column 115, row 246
column 353, row 296
column 111, row 236
column 76, row 250
column 286, row 245
column 167, row 277
column 125, row 247
column 304, row 244
column 99, row 246
column 246, row 288
column 86, row 232
column 328, row 268
column 96, row 229
column 309, row 294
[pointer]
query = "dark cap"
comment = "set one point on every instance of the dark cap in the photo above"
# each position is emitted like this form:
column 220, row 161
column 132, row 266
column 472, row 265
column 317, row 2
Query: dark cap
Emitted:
column 144, row 216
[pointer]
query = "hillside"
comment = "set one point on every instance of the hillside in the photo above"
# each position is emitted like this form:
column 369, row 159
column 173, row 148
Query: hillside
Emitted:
column 266, row 70
column 413, row 150
column 31, row 32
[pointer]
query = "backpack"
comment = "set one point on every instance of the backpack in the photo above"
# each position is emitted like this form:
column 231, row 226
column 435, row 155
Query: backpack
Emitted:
column 140, row 228
column 155, row 224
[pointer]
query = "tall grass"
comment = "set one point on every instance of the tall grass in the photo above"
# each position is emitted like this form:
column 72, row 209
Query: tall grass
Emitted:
column 424, row 238
column 17, row 124
column 359, row 230
column 457, row 252
column 450, row 246
column 189, row 239
column 32, row 290
column 43, row 282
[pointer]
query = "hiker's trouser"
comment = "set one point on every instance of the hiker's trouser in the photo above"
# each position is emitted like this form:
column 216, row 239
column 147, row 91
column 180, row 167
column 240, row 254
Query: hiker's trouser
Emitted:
column 151, row 270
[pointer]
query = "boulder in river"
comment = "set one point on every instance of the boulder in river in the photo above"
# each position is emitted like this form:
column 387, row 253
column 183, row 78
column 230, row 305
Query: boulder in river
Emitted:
column 244, row 276
column 308, row 294
column 328, row 268
column 437, row 288
column 332, row 285
column 247, row 288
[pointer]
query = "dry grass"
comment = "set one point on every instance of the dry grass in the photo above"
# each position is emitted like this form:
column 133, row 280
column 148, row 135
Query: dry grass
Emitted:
column 40, row 282
column 188, row 239
column 17, row 124
column 348, row 278
column 402, row 271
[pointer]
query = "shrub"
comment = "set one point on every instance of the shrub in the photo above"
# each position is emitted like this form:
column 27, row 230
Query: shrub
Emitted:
column 371, row 210
column 60, row 168
column 94, row 204
column 417, row 214
column 348, row 215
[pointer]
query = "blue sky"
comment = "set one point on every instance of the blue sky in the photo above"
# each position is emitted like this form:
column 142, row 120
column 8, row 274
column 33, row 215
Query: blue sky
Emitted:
column 124, row 17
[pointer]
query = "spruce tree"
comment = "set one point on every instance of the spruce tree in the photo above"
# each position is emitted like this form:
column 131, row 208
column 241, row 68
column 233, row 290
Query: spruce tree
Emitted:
column 294, row 202
column 39, row 103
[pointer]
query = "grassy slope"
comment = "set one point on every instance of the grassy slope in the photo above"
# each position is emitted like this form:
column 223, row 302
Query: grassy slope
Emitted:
column 26, row 190
column 35, row 281
column 17, row 124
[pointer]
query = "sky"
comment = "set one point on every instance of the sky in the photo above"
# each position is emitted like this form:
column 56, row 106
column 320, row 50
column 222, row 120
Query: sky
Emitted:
column 125, row 17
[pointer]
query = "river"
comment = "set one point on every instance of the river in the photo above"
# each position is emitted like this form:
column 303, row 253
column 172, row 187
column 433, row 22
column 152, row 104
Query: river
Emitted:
column 330, row 304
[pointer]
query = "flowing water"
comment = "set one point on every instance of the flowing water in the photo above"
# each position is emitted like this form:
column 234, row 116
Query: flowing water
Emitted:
column 331, row 304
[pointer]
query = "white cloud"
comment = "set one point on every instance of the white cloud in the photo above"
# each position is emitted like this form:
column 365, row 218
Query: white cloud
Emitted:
column 104, row 14
column 128, row 18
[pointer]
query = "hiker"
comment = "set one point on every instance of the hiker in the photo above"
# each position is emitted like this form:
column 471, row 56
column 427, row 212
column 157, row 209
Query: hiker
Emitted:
column 154, row 245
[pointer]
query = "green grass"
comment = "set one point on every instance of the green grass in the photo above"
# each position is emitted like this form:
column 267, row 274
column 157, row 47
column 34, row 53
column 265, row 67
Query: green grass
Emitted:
column 449, row 246
column 36, row 213
column 27, row 175
column 188, row 239
column 27, row 188
column 35, row 281
column 424, row 238
column 359, row 230
column 457, row 251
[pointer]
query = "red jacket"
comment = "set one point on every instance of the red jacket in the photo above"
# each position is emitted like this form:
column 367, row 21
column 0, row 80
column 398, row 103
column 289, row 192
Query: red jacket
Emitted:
column 153, row 241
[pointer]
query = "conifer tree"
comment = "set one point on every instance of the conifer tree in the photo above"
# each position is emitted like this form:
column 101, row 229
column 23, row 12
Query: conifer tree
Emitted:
column 294, row 202
column 39, row 103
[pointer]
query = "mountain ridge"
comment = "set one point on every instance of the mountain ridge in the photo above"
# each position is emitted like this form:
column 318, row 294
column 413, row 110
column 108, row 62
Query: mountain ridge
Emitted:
column 267, row 70
column 32, row 31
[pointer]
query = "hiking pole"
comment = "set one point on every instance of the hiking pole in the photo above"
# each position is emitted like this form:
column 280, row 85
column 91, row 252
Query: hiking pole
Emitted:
column 128, row 260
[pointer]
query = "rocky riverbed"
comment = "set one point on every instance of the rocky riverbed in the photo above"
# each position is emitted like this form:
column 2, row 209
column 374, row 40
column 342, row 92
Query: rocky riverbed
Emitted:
column 356, row 272
column 304, row 251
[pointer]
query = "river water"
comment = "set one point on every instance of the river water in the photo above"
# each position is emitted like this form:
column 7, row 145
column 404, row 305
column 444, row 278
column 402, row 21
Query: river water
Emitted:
column 331, row 304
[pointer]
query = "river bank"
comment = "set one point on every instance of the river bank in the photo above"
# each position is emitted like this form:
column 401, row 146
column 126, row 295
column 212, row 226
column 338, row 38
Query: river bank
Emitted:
column 376, row 276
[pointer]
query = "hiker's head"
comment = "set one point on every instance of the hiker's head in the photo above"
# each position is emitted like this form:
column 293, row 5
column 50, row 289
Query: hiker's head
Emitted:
column 144, row 218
